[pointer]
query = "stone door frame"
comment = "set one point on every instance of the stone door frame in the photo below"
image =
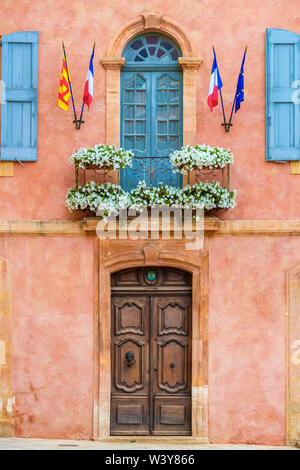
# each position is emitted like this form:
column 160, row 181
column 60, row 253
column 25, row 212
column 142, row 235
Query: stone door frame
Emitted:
column 293, row 356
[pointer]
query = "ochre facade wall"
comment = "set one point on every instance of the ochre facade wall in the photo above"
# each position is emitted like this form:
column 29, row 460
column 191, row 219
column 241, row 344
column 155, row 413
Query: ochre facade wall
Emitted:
column 37, row 190
column 247, row 337
column 53, row 285
column 52, row 335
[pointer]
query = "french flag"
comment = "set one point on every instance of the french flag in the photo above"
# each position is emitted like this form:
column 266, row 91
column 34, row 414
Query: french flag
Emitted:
column 89, row 83
column 214, row 85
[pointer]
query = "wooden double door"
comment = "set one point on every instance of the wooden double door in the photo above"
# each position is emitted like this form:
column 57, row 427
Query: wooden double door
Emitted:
column 151, row 352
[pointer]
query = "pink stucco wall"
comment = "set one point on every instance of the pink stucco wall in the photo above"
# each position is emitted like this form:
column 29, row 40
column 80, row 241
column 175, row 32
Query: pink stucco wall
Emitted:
column 38, row 189
column 52, row 337
column 247, row 333
column 52, row 291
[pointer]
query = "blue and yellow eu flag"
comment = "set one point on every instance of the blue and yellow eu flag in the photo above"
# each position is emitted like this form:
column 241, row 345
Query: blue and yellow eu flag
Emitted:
column 240, row 88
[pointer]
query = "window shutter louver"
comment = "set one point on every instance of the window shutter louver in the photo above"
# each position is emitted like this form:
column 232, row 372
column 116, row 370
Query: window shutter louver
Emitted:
column 282, row 114
column 19, row 96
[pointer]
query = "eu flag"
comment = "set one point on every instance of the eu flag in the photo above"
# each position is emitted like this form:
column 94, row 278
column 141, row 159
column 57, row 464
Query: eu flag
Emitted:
column 240, row 92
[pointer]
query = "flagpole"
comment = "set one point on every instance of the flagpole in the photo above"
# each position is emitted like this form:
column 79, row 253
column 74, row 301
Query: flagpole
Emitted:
column 80, row 119
column 225, row 123
column 229, row 124
column 232, row 109
column 65, row 56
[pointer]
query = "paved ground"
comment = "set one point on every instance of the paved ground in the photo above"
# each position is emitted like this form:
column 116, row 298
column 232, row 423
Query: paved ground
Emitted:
column 49, row 444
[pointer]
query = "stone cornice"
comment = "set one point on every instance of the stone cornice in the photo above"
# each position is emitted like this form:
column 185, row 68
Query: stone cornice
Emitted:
column 151, row 21
column 41, row 227
column 212, row 226
column 189, row 63
column 112, row 63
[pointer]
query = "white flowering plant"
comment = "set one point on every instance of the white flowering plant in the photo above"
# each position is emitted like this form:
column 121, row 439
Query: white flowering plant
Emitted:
column 209, row 195
column 112, row 198
column 190, row 158
column 109, row 197
column 103, row 156
column 144, row 195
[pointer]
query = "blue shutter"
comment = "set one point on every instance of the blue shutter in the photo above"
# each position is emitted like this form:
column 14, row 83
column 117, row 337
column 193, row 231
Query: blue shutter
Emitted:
column 19, row 96
column 283, row 115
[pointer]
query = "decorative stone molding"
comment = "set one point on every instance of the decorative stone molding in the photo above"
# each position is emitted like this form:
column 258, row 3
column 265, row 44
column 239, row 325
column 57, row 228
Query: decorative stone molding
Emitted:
column 6, row 168
column 189, row 63
column 295, row 168
column 113, row 63
column 115, row 255
column 293, row 357
column 151, row 253
column 150, row 21
column 212, row 226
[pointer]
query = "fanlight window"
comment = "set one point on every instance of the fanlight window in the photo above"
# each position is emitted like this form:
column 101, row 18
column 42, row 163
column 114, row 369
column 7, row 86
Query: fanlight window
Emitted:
column 151, row 48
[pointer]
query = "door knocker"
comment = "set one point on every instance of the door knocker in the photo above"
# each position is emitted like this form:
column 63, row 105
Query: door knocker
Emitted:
column 129, row 359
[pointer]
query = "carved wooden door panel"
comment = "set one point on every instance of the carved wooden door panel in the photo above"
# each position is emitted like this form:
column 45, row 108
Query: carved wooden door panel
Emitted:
column 130, row 365
column 151, row 353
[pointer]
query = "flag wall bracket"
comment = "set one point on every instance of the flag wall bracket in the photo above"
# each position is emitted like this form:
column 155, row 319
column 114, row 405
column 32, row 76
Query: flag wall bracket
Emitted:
column 238, row 97
column 227, row 126
column 78, row 123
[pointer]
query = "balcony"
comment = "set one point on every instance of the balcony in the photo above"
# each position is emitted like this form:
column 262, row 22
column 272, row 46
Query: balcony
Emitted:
column 203, row 173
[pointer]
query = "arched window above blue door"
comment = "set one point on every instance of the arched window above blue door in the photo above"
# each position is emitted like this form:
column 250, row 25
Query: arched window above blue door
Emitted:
column 151, row 109
column 151, row 48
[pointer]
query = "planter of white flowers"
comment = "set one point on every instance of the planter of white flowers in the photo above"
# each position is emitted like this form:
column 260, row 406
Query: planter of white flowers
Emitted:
column 111, row 198
column 101, row 158
column 200, row 157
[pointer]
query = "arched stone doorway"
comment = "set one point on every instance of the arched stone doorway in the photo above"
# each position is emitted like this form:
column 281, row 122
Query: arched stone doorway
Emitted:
column 151, row 352
column 113, row 256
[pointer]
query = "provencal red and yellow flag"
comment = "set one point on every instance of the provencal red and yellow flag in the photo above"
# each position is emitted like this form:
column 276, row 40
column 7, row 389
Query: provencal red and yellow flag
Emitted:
column 64, row 88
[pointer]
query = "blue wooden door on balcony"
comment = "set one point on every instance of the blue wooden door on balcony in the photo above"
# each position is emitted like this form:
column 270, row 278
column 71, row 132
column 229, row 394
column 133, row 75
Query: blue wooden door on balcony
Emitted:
column 151, row 111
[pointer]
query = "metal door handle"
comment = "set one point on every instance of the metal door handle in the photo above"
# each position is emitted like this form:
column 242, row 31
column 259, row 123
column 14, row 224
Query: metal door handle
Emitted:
column 172, row 364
